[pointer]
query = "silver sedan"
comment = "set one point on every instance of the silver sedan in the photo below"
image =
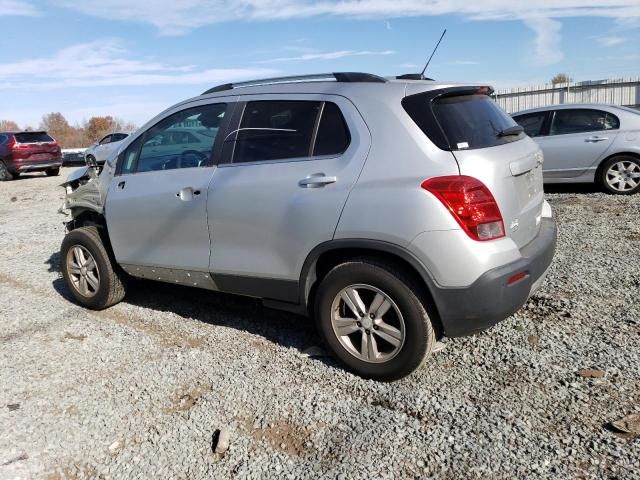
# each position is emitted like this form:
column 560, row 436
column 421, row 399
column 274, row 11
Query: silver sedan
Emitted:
column 587, row 143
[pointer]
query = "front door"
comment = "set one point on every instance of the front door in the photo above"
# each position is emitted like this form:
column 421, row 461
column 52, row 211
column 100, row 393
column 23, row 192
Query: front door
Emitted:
column 156, row 208
column 577, row 140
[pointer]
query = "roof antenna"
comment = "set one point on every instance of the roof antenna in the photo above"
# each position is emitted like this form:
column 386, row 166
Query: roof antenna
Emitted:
column 420, row 76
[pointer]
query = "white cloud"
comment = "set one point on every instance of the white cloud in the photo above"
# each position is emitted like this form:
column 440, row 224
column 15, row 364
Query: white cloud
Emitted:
column 329, row 55
column 17, row 8
column 610, row 41
column 173, row 17
column 547, row 42
column 107, row 63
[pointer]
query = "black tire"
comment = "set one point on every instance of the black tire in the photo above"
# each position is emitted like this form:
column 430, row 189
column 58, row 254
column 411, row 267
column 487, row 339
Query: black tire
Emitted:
column 419, row 333
column 604, row 169
column 53, row 172
column 90, row 160
column 112, row 280
column 5, row 174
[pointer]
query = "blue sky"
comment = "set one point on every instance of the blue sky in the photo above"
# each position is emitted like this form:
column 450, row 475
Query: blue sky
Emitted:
column 131, row 59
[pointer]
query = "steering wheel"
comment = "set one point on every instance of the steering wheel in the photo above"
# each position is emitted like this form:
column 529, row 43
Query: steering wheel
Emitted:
column 201, row 157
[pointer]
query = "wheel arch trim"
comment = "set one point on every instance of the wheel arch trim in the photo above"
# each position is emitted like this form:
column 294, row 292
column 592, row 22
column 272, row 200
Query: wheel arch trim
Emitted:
column 308, row 274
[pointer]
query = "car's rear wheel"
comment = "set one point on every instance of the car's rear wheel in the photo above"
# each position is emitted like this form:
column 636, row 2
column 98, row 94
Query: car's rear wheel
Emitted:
column 371, row 317
column 90, row 160
column 621, row 175
column 90, row 272
column 5, row 174
column 53, row 172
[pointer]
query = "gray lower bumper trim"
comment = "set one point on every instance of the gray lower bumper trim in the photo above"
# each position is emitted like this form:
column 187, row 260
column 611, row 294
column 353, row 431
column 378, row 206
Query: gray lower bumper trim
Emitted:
column 490, row 299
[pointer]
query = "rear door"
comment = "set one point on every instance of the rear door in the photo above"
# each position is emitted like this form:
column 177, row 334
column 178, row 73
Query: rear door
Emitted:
column 156, row 206
column 578, row 138
column 509, row 165
column 290, row 166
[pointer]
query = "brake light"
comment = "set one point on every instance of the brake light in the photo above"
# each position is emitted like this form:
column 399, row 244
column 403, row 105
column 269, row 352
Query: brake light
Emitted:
column 471, row 204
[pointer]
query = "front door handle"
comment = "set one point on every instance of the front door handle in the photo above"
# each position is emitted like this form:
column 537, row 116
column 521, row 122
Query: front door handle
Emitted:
column 596, row 139
column 186, row 194
column 121, row 185
column 316, row 180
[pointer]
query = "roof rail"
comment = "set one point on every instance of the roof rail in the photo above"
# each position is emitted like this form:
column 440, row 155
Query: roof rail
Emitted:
column 348, row 77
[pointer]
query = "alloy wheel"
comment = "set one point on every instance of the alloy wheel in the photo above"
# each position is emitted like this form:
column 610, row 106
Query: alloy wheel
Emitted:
column 623, row 176
column 367, row 323
column 83, row 271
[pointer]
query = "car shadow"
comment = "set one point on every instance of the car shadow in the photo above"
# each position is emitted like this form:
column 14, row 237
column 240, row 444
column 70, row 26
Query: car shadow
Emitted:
column 214, row 308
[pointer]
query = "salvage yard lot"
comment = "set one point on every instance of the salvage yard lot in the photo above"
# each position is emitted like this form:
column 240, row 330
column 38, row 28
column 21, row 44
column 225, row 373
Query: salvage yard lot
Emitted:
column 138, row 390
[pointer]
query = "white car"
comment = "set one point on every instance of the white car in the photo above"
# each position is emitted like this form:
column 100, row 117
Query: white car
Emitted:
column 99, row 151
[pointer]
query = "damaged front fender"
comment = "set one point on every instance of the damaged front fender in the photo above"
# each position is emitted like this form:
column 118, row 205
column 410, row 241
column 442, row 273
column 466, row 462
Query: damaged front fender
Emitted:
column 82, row 193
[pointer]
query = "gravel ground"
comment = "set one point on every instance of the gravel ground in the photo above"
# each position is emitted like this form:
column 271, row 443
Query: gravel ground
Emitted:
column 139, row 390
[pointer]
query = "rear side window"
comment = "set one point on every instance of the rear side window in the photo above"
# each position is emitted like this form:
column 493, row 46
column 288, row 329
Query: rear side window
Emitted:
column 582, row 120
column 116, row 137
column 532, row 123
column 280, row 130
column 460, row 122
column 33, row 137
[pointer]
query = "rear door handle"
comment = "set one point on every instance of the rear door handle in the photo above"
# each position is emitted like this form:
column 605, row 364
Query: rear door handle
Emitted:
column 316, row 180
column 596, row 139
column 121, row 185
column 186, row 194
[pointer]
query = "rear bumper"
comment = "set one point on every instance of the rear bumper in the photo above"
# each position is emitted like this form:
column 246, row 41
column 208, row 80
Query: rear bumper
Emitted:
column 39, row 165
column 490, row 299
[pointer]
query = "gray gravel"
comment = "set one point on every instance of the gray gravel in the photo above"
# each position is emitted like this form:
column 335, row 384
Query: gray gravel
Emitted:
column 139, row 390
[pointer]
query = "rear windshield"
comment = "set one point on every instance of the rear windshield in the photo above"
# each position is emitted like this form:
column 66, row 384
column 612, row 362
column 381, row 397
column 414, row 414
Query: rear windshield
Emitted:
column 462, row 122
column 33, row 137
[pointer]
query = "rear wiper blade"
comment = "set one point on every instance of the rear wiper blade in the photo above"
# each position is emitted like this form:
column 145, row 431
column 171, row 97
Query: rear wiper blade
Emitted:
column 515, row 130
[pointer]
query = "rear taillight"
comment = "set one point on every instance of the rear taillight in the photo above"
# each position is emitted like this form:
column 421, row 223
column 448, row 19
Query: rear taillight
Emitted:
column 471, row 204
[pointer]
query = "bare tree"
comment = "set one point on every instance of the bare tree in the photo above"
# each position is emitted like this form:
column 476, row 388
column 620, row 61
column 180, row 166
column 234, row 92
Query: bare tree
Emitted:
column 561, row 78
column 8, row 126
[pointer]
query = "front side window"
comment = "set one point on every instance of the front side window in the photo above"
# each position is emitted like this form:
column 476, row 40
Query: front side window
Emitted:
column 581, row 120
column 280, row 130
column 105, row 140
column 182, row 140
column 532, row 123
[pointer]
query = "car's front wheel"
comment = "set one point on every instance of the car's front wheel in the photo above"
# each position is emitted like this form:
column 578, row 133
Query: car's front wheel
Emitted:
column 371, row 317
column 621, row 175
column 91, row 274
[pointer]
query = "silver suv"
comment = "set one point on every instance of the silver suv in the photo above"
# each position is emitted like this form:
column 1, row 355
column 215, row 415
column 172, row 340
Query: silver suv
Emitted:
column 394, row 211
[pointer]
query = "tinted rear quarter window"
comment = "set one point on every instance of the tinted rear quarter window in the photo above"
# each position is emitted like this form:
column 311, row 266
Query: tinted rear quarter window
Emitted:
column 33, row 137
column 333, row 135
column 116, row 137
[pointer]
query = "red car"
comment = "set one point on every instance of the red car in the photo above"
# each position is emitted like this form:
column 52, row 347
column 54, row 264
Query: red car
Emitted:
column 28, row 152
